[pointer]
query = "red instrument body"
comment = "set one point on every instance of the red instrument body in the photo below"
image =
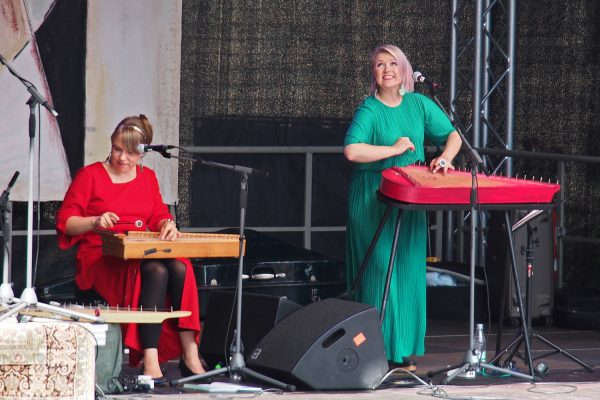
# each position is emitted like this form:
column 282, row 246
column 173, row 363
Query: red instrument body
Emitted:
column 417, row 185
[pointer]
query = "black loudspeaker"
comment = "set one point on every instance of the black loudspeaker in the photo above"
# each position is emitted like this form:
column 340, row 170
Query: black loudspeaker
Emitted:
column 260, row 313
column 332, row 344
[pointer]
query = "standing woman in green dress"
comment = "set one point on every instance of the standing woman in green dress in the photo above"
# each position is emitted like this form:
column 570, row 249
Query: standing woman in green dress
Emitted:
column 389, row 129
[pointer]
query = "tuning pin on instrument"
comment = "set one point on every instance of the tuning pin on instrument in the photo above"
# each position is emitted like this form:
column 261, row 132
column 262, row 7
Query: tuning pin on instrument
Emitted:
column 533, row 179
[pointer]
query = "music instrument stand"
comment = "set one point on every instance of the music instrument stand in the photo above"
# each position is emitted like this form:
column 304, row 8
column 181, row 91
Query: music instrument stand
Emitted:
column 511, row 350
column 237, row 367
column 470, row 359
column 28, row 298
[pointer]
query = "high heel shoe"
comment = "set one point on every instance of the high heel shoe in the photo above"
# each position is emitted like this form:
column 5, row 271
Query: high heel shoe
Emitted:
column 159, row 381
column 185, row 370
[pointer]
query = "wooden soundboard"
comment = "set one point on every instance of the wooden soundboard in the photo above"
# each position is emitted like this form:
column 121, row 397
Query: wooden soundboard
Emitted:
column 141, row 244
column 109, row 315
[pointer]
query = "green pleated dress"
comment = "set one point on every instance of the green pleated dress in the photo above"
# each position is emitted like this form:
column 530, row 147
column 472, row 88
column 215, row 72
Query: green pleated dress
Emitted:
column 420, row 119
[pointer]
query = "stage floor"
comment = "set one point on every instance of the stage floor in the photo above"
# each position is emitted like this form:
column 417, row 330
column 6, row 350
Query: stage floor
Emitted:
column 446, row 345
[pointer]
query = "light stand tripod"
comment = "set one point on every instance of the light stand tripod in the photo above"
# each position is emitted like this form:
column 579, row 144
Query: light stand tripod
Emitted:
column 28, row 298
column 512, row 349
column 237, row 368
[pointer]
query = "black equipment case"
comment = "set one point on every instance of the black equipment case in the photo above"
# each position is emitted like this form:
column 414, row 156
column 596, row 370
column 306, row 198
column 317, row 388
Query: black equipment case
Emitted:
column 272, row 267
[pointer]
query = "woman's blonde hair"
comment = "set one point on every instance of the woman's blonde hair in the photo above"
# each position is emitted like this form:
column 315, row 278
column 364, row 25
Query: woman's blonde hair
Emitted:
column 405, row 67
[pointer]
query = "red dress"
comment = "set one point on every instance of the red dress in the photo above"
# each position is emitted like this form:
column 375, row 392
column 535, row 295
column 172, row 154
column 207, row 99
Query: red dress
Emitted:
column 118, row 281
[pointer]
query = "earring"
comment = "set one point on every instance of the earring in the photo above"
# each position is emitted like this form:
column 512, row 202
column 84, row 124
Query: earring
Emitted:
column 402, row 90
column 108, row 158
column 142, row 164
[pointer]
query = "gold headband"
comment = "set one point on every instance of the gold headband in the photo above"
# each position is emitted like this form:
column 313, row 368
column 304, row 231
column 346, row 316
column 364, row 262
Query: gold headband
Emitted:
column 137, row 129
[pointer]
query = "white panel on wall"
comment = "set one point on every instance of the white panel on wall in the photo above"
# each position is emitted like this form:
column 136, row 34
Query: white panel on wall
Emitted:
column 133, row 67
column 18, row 47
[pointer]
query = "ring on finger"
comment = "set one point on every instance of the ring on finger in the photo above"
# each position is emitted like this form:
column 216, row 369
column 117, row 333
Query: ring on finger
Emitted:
column 442, row 163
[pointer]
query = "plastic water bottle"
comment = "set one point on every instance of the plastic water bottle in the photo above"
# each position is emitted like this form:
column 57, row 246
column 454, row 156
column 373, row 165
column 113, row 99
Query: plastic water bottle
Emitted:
column 479, row 346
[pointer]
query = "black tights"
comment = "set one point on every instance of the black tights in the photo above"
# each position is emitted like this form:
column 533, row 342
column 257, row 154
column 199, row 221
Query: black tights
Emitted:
column 159, row 278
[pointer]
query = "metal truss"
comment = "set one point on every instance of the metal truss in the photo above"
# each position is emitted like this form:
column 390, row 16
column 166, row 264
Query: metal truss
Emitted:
column 482, row 87
column 482, row 74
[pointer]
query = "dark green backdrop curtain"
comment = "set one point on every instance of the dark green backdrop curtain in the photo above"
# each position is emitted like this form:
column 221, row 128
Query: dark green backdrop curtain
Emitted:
column 308, row 59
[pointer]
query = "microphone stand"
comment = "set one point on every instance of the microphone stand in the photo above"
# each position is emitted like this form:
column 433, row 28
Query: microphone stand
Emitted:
column 237, row 368
column 28, row 298
column 6, row 293
column 472, row 360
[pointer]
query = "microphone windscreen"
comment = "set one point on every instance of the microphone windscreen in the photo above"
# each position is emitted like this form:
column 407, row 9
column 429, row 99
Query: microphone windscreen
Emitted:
column 141, row 148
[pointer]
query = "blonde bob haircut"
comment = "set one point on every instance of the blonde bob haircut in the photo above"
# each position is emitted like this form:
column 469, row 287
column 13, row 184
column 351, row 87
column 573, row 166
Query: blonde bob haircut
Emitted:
column 405, row 67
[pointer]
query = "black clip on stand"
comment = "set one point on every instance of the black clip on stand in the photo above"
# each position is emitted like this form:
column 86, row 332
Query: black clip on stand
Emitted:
column 237, row 367
column 472, row 360
column 6, row 293
column 28, row 298
column 511, row 350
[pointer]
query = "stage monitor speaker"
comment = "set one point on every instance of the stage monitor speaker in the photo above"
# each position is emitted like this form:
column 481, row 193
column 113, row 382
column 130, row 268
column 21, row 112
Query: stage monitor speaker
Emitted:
column 260, row 313
column 332, row 344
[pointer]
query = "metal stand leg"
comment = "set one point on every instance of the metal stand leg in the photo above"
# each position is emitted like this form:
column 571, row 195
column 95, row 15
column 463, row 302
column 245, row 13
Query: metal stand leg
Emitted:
column 28, row 297
column 237, row 368
column 388, row 279
column 471, row 359
column 512, row 349
column 365, row 261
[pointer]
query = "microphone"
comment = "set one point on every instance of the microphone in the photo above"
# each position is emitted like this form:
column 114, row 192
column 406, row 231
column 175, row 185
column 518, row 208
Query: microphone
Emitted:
column 420, row 78
column 160, row 148
column 6, row 192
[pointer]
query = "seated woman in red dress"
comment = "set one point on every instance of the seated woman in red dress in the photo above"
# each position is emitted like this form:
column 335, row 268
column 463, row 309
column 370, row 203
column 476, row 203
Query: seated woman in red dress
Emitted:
column 121, row 195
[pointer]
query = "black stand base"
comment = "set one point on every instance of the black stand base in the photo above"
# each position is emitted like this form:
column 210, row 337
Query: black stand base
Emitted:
column 236, row 374
column 472, row 363
column 513, row 351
